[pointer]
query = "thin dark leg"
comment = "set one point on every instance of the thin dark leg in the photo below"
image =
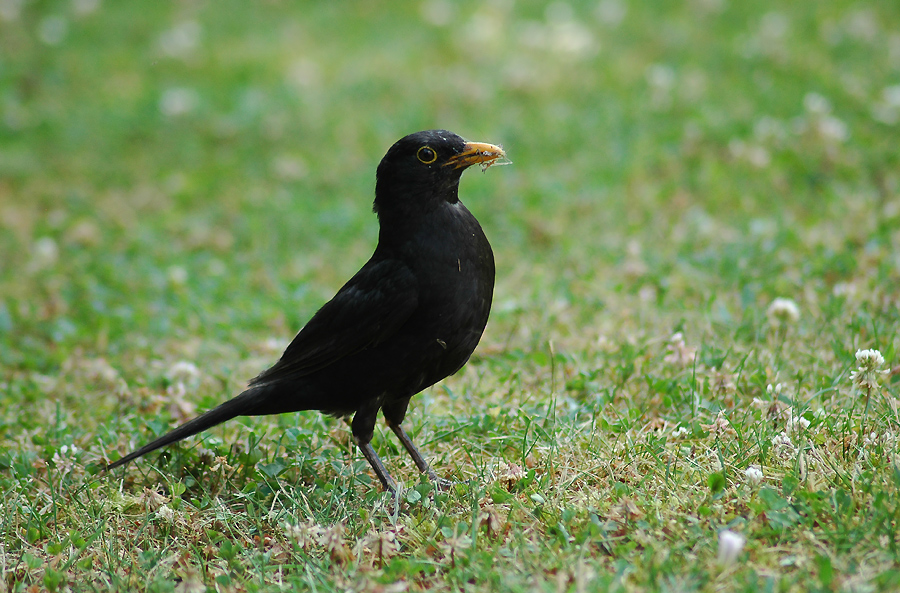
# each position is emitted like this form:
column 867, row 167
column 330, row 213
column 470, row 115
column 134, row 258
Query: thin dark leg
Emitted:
column 413, row 452
column 363, row 428
column 369, row 453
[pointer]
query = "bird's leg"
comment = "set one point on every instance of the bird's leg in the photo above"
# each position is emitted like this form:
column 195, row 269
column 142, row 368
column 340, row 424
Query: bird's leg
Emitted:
column 394, row 413
column 387, row 482
column 363, row 427
column 413, row 452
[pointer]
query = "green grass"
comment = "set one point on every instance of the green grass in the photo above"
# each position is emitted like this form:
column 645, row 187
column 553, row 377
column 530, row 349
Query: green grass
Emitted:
column 188, row 182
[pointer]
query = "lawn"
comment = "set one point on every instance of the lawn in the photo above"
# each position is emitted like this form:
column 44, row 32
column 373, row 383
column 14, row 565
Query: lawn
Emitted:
column 691, row 374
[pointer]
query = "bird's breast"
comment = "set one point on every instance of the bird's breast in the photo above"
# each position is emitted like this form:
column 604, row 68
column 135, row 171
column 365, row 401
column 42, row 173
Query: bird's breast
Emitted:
column 454, row 265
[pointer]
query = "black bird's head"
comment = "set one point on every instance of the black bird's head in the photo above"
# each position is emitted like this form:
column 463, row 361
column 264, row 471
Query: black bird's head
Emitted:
column 420, row 172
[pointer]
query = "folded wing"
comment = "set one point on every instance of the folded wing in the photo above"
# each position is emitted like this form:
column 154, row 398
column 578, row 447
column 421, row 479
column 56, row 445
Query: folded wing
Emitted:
column 368, row 310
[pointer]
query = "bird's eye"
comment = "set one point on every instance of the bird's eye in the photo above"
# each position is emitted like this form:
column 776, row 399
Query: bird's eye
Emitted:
column 426, row 155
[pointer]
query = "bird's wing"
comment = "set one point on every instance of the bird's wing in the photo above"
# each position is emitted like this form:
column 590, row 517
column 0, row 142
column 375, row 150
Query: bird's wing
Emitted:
column 365, row 312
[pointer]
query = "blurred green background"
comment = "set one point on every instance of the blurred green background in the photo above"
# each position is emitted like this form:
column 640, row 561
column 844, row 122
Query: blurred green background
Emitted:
column 176, row 166
column 189, row 181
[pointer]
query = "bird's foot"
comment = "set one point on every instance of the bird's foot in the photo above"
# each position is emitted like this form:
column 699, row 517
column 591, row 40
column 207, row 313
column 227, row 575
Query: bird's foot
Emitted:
column 443, row 484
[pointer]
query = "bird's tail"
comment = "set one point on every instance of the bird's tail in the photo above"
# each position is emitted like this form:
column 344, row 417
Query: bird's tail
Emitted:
column 243, row 404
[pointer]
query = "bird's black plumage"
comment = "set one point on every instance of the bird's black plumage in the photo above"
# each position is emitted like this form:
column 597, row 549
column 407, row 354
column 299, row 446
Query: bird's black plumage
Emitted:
column 410, row 317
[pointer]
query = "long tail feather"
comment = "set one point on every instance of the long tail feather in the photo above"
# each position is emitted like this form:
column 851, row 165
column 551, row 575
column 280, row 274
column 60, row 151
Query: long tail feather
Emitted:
column 243, row 404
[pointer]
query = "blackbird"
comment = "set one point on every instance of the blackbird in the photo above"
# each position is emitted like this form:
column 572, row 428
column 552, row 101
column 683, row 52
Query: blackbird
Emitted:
column 410, row 317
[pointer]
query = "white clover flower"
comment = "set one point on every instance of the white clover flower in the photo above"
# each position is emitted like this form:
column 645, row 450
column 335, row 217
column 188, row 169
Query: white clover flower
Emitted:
column 891, row 95
column 69, row 450
column 730, row 546
column 44, row 254
column 511, row 474
column 64, row 459
column 782, row 440
column 753, row 474
column 152, row 499
column 572, row 38
column 660, row 76
column 758, row 156
column 165, row 513
column 611, row 12
column 178, row 275
column 768, row 129
column 181, row 40
column 437, row 12
column 816, row 104
column 796, row 423
column 661, row 79
column 867, row 375
column 681, row 431
column 832, row 128
column 887, row 110
column 52, row 30
column 84, row 7
column 306, row 535
column 178, row 101
column 784, row 447
column 870, row 355
column 774, row 26
column 183, row 370
column 221, row 464
column 754, row 154
column 783, row 310
column 332, row 539
column 10, row 10
column 604, row 344
column 844, row 289
column 382, row 543
column 680, row 354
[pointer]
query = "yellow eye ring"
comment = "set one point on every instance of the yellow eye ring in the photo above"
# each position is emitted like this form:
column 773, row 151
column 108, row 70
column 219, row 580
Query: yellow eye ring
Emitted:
column 426, row 155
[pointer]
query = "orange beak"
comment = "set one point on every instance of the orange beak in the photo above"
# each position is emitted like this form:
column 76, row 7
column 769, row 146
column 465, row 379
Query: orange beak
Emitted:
column 477, row 153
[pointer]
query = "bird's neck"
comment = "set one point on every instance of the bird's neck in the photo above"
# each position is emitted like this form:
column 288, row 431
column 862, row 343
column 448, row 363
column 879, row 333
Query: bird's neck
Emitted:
column 401, row 222
column 450, row 224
